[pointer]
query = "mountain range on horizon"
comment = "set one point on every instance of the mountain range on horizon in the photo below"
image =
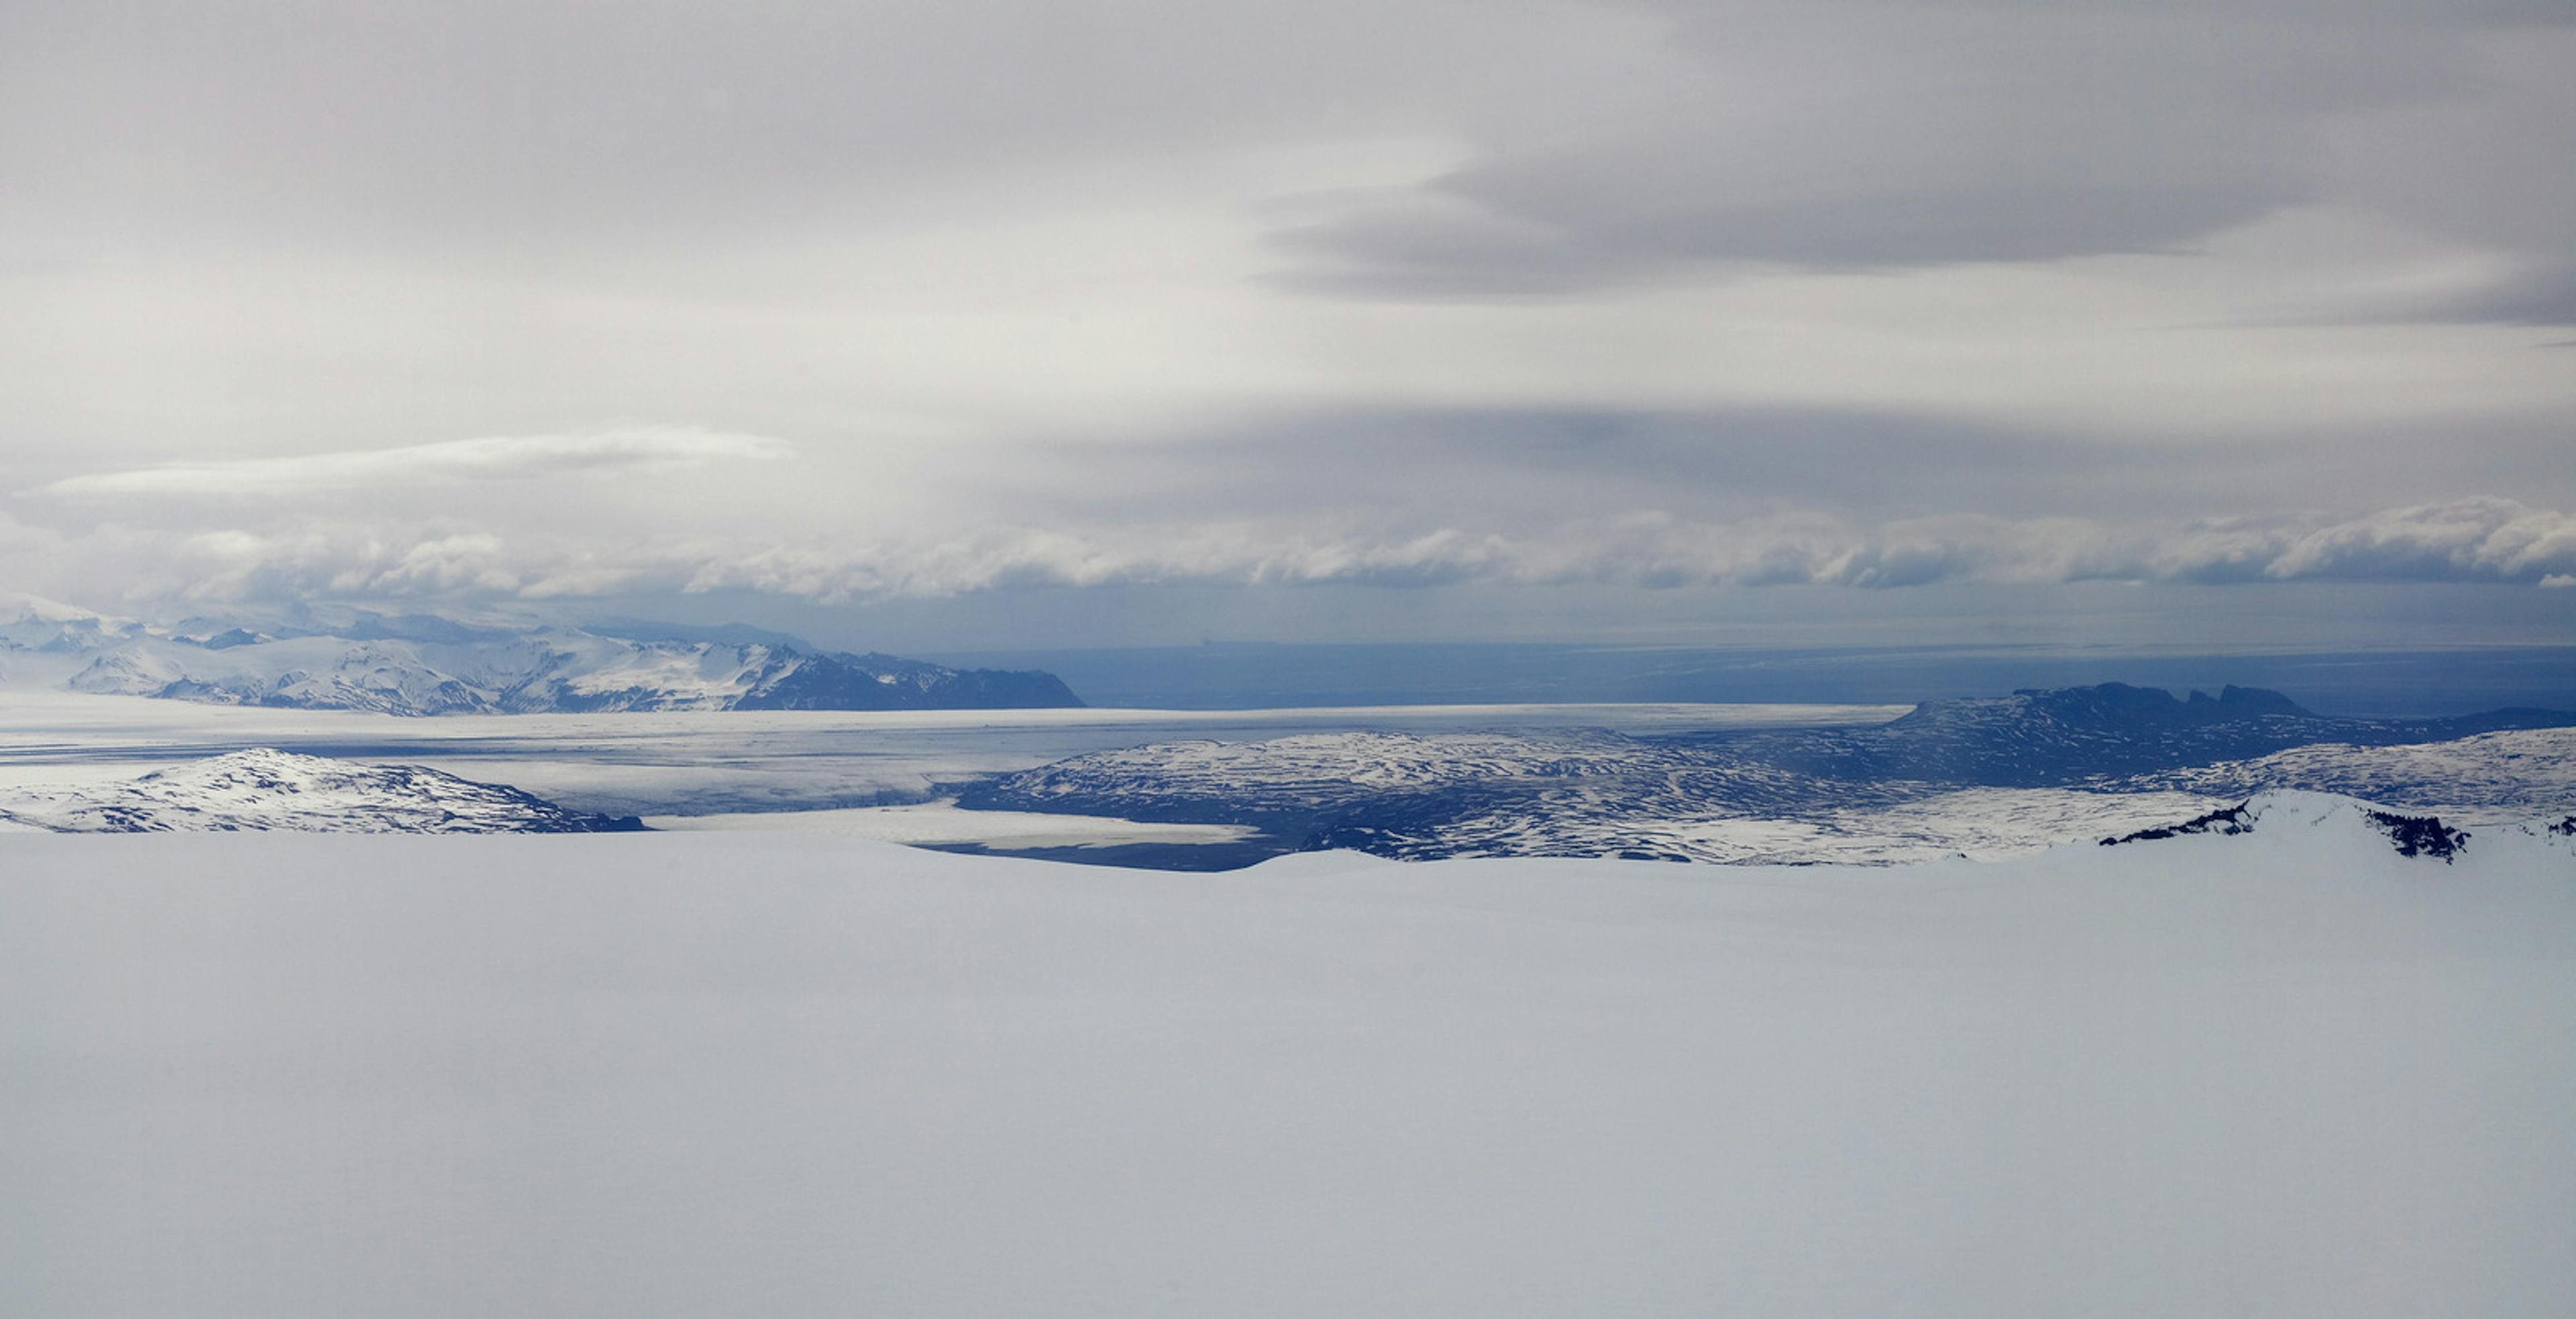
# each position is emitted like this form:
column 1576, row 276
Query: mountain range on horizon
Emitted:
column 429, row 665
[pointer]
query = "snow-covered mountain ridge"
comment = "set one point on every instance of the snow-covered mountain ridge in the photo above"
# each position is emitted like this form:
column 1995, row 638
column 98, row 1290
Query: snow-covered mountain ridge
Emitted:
column 32, row 622
column 275, row 790
column 2036, row 738
column 429, row 666
column 2410, row 835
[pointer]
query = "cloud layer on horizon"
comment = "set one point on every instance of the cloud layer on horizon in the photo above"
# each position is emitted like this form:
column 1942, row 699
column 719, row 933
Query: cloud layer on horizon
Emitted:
column 159, row 567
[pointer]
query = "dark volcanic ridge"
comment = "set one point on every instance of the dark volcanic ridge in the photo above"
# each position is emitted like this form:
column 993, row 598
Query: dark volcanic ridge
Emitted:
column 2411, row 835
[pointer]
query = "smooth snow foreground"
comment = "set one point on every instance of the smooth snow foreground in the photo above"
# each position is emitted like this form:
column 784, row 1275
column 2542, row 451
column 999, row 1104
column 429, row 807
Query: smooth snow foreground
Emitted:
column 2287, row 1073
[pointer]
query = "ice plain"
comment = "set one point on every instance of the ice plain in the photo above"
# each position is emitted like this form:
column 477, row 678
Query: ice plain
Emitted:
column 715, row 762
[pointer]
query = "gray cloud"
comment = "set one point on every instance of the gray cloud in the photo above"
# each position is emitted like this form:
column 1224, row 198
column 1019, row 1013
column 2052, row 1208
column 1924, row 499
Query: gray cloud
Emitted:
column 2536, row 297
column 533, row 131
column 1523, row 466
column 1523, row 228
column 1645, row 294
column 1867, row 136
column 1605, row 141
column 640, row 449
column 2492, row 171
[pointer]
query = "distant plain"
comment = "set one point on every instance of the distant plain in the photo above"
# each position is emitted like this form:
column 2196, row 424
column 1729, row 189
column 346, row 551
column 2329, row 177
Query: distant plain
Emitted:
column 730, row 762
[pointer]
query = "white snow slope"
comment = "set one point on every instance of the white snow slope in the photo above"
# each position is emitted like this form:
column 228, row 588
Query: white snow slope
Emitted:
column 2286, row 1073
column 264, row 788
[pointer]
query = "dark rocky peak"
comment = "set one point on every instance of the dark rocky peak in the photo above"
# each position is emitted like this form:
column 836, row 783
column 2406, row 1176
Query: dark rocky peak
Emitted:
column 2236, row 702
column 2118, row 705
column 2411, row 835
column 2236, row 819
column 2421, row 835
column 2110, row 704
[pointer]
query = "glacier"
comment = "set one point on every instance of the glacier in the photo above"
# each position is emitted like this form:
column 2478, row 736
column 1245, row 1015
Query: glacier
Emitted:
column 291, row 1075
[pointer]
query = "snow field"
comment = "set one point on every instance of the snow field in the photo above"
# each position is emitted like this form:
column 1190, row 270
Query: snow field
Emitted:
column 786, row 1074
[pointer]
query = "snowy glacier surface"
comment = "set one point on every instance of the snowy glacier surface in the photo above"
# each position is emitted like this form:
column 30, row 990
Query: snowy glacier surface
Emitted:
column 2288, row 1072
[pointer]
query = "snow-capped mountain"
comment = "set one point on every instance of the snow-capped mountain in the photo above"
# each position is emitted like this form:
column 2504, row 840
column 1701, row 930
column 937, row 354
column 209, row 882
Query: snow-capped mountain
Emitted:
column 267, row 789
column 431, row 666
column 1976, row 777
column 34, row 623
column 2489, row 777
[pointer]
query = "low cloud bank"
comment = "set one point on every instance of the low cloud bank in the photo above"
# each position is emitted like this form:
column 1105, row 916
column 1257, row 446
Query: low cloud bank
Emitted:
column 2485, row 540
column 639, row 449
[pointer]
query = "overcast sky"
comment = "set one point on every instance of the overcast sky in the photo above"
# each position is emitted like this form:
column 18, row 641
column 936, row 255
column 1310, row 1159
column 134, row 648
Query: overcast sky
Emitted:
column 1602, row 313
